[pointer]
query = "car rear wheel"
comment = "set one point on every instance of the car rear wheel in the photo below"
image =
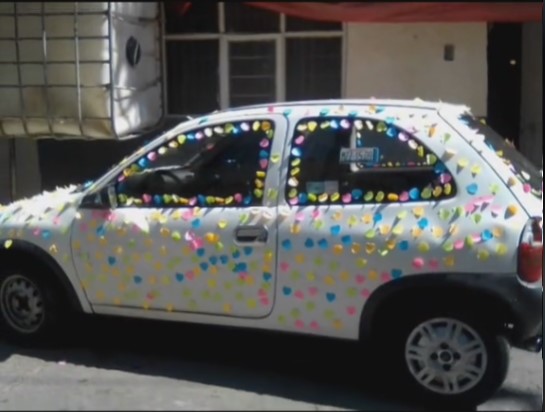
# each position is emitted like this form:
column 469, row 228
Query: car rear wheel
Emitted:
column 448, row 360
column 32, row 307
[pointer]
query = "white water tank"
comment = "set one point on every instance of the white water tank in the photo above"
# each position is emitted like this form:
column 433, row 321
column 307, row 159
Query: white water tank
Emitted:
column 80, row 70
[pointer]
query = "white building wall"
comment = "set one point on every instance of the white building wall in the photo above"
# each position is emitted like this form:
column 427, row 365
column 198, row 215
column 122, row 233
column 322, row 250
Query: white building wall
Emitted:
column 406, row 61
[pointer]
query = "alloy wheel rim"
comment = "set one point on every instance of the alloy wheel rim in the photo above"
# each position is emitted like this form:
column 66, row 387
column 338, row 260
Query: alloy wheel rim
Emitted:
column 446, row 356
column 21, row 304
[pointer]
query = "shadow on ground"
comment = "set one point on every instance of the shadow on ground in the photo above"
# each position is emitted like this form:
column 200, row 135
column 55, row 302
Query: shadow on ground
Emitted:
column 315, row 371
column 507, row 394
column 329, row 373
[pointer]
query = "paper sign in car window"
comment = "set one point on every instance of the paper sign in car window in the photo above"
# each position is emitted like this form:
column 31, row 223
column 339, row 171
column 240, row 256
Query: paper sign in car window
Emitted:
column 316, row 188
column 366, row 156
column 331, row 186
column 328, row 186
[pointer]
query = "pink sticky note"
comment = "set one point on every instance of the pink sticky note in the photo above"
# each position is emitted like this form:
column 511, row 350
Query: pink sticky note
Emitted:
column 459, row 245
column 445, row 178
column 385, row 277
column 365, row 293
column 299, row 217
column 299, row 324
column 496, row 210
column 299, row 295
column 418, row 263
column 470, row 207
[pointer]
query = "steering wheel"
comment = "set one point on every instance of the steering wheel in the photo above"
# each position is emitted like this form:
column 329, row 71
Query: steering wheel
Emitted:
column 170, row 173
column 156, row 182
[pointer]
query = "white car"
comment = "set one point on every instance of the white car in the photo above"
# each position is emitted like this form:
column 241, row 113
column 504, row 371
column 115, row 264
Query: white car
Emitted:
column 406, row 224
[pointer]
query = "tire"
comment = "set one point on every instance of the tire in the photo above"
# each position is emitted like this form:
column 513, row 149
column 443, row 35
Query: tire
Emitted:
column 33, row 308
column 488, row 368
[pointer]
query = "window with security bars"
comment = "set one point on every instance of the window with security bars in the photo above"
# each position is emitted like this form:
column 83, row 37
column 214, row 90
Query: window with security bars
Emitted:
column 252, row 77
column 221, row 55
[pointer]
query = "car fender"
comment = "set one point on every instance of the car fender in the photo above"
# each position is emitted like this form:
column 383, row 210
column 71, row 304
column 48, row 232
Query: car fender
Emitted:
column 503, row 292
column 73, row 289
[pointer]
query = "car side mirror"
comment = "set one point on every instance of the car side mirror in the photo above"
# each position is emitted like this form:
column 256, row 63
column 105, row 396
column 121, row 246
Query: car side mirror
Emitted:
column 112, row 196
column 106, row 198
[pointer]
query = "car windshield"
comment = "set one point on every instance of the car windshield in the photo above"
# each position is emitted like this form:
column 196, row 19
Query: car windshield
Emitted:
column 523, row 169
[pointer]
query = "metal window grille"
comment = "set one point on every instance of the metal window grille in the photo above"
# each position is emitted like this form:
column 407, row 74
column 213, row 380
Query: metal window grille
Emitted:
column 285, row 46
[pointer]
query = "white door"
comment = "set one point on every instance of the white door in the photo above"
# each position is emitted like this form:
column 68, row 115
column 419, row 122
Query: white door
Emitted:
column 199, row 238
column 360, row 198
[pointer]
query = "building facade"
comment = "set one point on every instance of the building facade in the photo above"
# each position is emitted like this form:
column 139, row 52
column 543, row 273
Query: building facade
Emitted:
column 219, row 55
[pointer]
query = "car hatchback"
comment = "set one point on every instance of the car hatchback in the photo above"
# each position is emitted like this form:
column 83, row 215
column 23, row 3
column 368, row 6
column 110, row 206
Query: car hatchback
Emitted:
column 409, row 225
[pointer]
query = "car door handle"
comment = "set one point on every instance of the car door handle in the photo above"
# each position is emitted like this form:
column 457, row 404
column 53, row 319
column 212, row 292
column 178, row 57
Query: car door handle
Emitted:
column 251, row 234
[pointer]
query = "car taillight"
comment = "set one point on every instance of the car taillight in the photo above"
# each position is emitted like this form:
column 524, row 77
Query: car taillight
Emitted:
column 530, row 253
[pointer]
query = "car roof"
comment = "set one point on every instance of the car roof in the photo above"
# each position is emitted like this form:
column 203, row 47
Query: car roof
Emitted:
column 400, row 103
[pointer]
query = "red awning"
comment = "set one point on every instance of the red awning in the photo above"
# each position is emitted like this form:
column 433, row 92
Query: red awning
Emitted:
column 440, row 12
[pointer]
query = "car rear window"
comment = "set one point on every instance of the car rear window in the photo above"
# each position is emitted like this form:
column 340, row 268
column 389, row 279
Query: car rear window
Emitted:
column 522, row 168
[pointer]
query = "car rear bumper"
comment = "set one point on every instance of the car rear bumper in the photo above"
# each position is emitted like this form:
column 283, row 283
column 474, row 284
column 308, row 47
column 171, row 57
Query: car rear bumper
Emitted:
column 534, row 344
column 527, row 304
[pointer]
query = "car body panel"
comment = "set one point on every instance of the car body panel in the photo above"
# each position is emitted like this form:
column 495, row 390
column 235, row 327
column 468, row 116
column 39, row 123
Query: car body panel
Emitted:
column 44, row 221
column 511, row 178
column 324, row 287
column 320, row 290
column 181, row 259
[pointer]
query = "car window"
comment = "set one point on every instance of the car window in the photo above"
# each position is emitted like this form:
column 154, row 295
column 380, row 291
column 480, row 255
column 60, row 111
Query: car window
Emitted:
column 222, row 165
column 355, row 160
column 523, row 169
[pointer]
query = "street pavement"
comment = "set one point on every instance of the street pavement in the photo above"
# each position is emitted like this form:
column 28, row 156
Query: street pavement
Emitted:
column 135, row 365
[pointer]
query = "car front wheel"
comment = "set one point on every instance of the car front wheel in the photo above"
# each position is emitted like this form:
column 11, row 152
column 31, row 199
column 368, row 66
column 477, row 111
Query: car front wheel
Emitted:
column 31, row 306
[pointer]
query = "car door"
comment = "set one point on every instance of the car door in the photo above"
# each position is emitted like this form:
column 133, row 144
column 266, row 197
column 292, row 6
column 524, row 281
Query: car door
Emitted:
column 360, row 202
column 198, row 239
